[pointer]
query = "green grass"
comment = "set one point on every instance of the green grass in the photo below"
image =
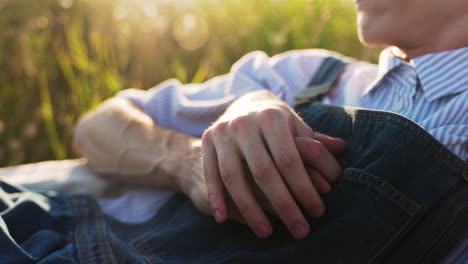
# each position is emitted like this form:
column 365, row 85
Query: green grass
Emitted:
column 62, row 58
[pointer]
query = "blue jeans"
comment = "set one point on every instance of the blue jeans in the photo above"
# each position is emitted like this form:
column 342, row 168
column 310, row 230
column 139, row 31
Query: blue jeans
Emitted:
column 402, row 199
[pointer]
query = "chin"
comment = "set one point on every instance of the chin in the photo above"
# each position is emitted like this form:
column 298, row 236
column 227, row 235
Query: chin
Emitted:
column 370, row 41
column 372, row 37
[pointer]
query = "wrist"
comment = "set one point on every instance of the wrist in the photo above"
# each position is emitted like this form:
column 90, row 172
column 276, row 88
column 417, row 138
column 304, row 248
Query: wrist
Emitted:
column 183, row 162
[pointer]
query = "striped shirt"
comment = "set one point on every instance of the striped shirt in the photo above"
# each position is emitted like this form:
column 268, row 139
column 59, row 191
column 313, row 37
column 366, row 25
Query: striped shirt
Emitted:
column 430, row 90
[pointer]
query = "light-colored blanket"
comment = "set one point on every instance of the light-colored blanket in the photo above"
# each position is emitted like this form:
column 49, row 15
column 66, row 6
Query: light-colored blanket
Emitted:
column 125, row 203
column 65, row 176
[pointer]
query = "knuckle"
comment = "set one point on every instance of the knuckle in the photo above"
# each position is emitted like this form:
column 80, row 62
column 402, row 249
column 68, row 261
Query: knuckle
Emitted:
column 270, row 114
column 316, row 150
column 219, row 129
column 262, row 174
column 206, row 136
column 239, row 124
column 227, row 176
column 285, row 161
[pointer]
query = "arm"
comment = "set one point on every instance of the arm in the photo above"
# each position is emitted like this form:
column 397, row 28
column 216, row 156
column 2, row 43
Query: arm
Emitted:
column 191, row 109
column 122, row 143
column 119, row 139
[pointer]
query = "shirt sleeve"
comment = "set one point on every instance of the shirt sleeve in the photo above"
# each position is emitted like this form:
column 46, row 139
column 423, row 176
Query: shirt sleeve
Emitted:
column 191, row 108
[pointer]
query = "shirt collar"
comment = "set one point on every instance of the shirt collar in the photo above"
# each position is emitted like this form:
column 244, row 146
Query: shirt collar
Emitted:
column 440, row 74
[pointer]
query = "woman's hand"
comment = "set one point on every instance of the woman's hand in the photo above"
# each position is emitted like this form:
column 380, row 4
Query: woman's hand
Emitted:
column 288, row 162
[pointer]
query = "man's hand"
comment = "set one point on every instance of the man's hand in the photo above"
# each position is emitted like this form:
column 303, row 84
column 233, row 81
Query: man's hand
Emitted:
column 287, row 160
column 124, row 145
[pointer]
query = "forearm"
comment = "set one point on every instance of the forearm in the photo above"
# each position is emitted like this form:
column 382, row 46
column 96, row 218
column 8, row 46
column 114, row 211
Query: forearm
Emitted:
column 124, row 144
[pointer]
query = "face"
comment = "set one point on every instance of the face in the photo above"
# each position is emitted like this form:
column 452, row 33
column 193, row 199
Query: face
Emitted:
column 409, row 23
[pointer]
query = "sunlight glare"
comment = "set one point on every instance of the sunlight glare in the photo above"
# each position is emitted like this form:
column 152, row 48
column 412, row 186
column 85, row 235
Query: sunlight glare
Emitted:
column 191, row 31
column 65, row 3
column 120, row 12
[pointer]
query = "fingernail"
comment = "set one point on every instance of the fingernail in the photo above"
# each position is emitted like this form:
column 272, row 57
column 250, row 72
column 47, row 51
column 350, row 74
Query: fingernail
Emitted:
column 218, row 216
column 263, row 230
column 300, row 230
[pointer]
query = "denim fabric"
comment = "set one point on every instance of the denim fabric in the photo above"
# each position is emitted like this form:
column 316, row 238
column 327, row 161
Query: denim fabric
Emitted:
column 402, row 199
column 35, row 228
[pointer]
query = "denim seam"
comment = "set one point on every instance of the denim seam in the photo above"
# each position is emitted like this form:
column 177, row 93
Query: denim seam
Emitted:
column 441, row 151
column 88, row 240
column 88, row 219
column 216, row 260
column 101, row 237
column 133, row 246
column 82, row 250
column 141, row 248
column 97, row 232
column 390, row 241
column 145, row 237
column 462, row 211
column 405, row 203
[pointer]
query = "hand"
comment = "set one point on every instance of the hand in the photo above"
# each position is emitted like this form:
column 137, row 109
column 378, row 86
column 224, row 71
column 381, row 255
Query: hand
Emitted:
column 260, row 129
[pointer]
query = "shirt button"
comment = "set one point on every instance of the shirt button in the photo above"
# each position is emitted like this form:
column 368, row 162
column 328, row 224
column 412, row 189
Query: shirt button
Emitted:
column 397, row 106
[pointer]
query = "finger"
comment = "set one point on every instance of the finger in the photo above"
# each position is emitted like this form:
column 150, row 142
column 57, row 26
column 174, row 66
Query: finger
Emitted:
column 233, row 177
column 336, row 146
column 213, row 182
column 319, row 182
column 290, row 165
column 233, row 211
column 272, row 185
column 317, row 156
column 303, row 130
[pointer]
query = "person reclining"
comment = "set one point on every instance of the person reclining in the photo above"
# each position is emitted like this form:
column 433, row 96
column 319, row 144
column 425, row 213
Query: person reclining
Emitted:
column 423, row 79
column 400, row 186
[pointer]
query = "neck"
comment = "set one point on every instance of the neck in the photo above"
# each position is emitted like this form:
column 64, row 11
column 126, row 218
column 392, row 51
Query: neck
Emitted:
column 453, row 36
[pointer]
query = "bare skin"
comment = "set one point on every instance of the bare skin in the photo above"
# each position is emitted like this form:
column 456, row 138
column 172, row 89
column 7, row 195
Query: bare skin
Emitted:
column 251, row 130
column 416, row 27
column 268, row 136
column 139, row 152
column 253, row 126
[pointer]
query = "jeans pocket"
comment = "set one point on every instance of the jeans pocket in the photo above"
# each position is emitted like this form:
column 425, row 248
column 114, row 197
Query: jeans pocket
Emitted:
column 181, row 234
column 365, row 217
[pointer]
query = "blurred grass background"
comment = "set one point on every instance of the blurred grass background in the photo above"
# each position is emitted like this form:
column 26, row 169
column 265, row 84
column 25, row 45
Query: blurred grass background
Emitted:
column 60, row 58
